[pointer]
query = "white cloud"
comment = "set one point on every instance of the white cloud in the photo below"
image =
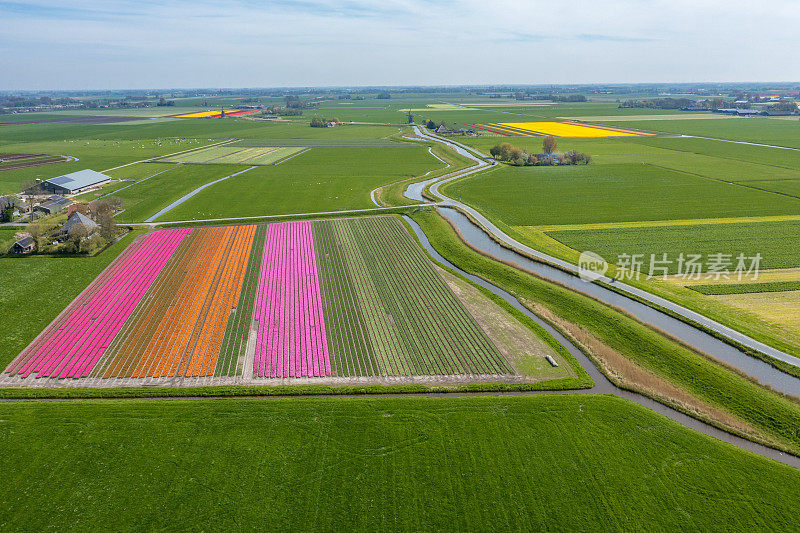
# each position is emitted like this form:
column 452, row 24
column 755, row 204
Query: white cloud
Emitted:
column 126, row 44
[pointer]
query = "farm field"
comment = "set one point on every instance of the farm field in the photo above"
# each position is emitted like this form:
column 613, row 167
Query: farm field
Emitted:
column 557, row 129
column 235, row 155
column 790, row 187
column 649, row 117
column 747, row 288
column 611, row 192
column 754, row 130
column 179, row 129
column 775, row 241
column 761, row 155
column 777, row 307
column 354, row 305
column 147, row 196
column 318, row 180
column 12, row 161
column 325, row 299
column 216, row 113
column 308, row 143
column 392, row 457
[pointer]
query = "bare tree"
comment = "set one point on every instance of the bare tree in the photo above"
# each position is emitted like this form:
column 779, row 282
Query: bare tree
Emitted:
column 549, row 144
column 108, row 226
column 77, row 234
column 35, row 232
column 31, row 189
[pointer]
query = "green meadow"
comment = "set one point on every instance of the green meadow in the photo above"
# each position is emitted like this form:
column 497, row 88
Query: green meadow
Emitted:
column 775, row 241
column 320, row 179
column 754, row 130
column 613, row 192
column 581, row 462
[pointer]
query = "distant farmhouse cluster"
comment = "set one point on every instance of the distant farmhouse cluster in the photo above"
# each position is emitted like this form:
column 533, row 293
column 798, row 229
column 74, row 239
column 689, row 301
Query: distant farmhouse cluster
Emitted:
column 59, row 223
column 741, row 105
column 442, row 129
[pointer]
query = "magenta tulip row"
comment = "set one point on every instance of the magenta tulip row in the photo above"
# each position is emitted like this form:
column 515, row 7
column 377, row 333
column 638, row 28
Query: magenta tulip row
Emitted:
column 291, row 339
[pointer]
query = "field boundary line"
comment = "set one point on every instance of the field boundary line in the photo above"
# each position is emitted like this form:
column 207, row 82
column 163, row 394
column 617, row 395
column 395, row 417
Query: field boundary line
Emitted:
column 662, row 223
column 259, row 217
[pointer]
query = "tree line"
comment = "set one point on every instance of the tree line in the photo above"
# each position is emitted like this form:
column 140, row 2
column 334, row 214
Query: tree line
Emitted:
column 516, row 156
column 318, row 122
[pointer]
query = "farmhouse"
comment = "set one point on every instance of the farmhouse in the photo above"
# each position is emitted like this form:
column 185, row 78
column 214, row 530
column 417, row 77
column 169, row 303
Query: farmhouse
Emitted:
column 78, row 218
column 23, row 246
column 75, row 182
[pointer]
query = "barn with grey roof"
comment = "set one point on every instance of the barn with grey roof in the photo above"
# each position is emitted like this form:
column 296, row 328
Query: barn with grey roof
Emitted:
column 75, row 182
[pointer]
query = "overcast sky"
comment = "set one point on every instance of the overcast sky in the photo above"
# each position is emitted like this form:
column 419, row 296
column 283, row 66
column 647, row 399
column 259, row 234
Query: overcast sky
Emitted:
column 92, row 44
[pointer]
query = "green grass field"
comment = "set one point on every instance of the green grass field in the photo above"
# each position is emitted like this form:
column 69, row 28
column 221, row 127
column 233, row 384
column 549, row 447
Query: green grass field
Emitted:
column 610, row 193
column 788, row 187
column 146, row 197
column 755, row 130
column 321, row 179
column 724, row 150
column 287, row 141
column 775, row 241
column 436, row 464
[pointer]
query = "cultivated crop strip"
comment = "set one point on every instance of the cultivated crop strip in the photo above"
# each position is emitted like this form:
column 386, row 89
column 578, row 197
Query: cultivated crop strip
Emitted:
column 391, row 314
column 76, row 340
column 178, row 329
column 291, row 340
column 333, row 298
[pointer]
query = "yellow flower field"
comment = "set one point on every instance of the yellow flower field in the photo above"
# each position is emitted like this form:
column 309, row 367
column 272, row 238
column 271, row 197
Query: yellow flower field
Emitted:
column 562, row 129
column 199, row 114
